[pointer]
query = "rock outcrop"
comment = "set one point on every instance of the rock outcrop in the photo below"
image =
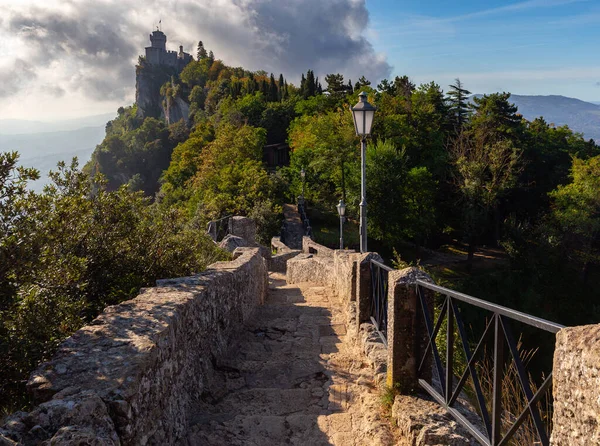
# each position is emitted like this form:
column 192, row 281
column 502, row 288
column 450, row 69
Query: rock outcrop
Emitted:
column 576, row 387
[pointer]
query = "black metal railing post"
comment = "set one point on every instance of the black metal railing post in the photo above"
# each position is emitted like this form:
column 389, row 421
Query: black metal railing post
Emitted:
column 379, row 297
column 447, row 394
column 497, row 385
column 449, row 349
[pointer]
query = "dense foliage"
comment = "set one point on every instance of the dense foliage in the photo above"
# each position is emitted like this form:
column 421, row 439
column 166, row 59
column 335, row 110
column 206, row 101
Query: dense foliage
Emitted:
column 67, row 253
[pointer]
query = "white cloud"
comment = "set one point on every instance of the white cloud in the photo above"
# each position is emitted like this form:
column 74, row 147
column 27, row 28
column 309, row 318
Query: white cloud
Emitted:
column 73, row 52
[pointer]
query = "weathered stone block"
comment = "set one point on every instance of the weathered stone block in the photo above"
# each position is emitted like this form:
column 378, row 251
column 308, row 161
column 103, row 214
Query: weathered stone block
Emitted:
column 425, row 423
column 231, row 242
column 309, row 246
column 310, row 268
column 406, row 331
column 576, row 387
column 243, row 227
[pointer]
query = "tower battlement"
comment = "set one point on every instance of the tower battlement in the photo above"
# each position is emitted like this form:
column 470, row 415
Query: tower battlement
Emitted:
column 157, row 53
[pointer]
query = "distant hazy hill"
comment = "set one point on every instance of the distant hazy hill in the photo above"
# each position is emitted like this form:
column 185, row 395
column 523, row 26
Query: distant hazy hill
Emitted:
column 580, row 116
column 20, row 126
column 43, row 144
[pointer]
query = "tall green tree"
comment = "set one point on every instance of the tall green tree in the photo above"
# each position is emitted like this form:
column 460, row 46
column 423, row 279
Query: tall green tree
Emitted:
column 576, row 211
column 326, row 145
column 281, row 88
column 201, row 52
column 458, row 99
column 484, row 172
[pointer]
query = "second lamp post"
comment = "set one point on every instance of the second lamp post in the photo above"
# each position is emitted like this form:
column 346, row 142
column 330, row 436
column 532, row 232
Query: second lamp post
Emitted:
column 363, row 114
column 341, row 208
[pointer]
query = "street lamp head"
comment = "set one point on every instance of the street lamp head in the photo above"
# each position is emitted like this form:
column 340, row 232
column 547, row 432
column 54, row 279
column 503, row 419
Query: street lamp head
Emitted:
column 341, row 208
column 363, row 114
column 303, row 173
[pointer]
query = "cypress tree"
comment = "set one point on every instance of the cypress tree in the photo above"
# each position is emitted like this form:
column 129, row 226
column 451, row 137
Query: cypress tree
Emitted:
column 319, row 87
column 303, row 86
column 310, row 83
column 285, row 93
column 272, row 89
column 280, row 87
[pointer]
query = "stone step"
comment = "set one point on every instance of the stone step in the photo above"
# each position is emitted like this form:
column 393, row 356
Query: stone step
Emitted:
column 273, row 401
column 294, row 429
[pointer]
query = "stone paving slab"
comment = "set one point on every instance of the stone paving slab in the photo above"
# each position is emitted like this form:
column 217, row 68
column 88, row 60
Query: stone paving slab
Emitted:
column 293, row 378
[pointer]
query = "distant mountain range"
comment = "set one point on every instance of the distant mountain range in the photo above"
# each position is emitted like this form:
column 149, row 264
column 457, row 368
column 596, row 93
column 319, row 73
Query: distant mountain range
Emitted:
column 580, row 116
column 20, row 126
column 43, row 144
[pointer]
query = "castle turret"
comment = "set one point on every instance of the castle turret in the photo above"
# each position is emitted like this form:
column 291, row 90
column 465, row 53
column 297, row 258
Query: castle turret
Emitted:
column 159, row 40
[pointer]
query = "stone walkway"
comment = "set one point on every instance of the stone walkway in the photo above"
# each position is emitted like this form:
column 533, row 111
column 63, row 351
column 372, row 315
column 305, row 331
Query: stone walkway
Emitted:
column 294, row 379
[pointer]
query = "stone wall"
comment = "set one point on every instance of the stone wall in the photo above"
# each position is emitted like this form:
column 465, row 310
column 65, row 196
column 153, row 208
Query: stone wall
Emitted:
column 243, row 227
column 310, row 268
column 133, row 374
column 309, row 246
column 283, row 253
column 576, row 387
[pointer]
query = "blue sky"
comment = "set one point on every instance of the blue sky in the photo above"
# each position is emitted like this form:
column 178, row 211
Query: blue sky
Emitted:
column 524, row 47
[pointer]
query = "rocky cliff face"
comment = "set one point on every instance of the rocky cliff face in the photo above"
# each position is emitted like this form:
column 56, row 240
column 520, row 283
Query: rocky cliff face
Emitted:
column 174, row 110
column 148, row 80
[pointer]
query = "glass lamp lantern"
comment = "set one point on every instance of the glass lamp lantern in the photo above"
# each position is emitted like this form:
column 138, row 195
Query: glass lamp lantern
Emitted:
column 363, row 114
column 341, row 208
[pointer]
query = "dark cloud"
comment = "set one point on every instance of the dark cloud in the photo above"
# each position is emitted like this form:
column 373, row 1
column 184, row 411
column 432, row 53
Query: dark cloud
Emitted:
column 19, row 75
column 597, row 84
column 90, row 42
column 291, row 37
column 98, row 42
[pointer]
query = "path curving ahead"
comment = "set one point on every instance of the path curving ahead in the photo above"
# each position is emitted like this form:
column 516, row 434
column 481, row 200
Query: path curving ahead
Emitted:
column 293, row 378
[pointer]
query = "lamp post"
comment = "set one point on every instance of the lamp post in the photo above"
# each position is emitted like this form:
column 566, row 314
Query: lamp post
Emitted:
column 363, row 114
column 303, row 175
column 341, row 208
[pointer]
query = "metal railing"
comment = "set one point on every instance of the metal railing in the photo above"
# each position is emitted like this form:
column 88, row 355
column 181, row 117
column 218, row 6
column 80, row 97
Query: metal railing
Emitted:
column 449, row 389
column 379, row 297
column 304, row 218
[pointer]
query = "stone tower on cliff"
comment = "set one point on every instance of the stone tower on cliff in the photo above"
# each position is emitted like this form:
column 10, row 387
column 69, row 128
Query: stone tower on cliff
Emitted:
column 157, row 54
column 155, row 69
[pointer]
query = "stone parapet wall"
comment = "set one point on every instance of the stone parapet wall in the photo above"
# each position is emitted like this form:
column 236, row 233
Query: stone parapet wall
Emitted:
column 278, row 262
column 309, row 246
column 576, row 387
column 279, row 247
column 134, row 373
column 310, row 268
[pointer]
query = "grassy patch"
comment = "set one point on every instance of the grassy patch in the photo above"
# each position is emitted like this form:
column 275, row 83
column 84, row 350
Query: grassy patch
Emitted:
column 388, row 395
